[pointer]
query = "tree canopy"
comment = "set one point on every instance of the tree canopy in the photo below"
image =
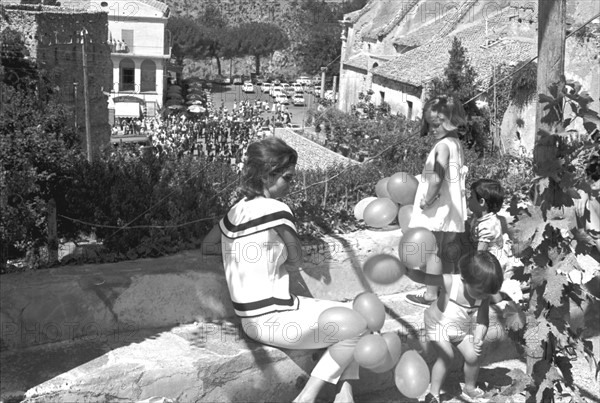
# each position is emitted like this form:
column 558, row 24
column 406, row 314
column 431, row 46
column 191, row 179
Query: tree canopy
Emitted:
column 256, row 39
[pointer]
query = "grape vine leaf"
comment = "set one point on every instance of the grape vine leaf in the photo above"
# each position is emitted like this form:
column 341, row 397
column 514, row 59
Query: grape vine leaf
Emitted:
column 565, row 366
column 514, row 315
column 555, row 282
column 529, row 226
column 552, row 376
column 567, row 264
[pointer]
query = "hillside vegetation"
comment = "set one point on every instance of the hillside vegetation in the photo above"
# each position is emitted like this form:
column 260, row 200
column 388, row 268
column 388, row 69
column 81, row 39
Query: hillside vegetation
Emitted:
column 312, row 30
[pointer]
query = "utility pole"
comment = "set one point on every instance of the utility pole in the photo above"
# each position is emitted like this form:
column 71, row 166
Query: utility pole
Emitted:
column 551, row 68
column 495, row 103
column 323, row 70
column 86, row 101
column 75, row 89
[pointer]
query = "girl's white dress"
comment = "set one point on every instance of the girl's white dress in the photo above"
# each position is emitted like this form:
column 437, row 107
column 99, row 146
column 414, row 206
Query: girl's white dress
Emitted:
column 448, row 213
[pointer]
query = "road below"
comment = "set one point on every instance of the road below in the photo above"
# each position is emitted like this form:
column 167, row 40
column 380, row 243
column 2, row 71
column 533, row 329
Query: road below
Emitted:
column 228, row 94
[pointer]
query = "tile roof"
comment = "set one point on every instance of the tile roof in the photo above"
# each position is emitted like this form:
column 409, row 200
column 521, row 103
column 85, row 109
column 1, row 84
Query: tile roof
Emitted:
column 164, row 8
column 360, row 61
column 420, row 65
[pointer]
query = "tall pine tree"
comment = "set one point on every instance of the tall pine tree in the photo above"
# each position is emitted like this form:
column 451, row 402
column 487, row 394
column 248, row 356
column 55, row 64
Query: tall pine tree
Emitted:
column 460, row 79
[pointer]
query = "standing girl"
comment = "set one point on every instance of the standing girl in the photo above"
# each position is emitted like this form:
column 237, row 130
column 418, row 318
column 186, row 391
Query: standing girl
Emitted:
column 440, row 202
column 256, row 237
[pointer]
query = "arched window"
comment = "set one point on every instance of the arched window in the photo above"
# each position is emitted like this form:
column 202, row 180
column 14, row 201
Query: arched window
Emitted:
column 127, row 75
column 148, row 76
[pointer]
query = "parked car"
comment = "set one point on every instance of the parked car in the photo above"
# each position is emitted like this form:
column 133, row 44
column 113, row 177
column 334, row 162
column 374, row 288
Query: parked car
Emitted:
column 275, row 90
column 298, row 88
column 221, row 80
column 266, row 87
column 237, row 80
column 304, row 80
column 298, row 100
column 286, row 87
column 329, row 95
column 248, row 87
column 317, row 91
column 282, row 99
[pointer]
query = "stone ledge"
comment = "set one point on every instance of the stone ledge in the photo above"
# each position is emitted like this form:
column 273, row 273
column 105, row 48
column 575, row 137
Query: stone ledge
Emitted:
column 208, row 361
column 68, row 303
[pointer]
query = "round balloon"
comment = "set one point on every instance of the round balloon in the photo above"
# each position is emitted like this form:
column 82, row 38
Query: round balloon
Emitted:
column 380, row 212
column 341, row 354
column 371, row 308
column 402, row 188
column 412, row 375
column 404, row 215
column 416, row 245
column 341, row 323
column 360, row 207
column 394, row 346
column 381, row 188
column 370, row 350
column 383, row 269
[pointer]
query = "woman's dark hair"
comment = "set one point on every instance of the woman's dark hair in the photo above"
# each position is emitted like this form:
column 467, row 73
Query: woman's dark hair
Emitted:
column 482, row 269
column 265, row 158
column 447, row 105
column 491, row 191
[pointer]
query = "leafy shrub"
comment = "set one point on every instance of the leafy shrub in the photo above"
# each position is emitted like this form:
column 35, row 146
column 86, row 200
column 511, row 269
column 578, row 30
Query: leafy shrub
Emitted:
column 148, row 206
column 550, row 248
column 38, row 149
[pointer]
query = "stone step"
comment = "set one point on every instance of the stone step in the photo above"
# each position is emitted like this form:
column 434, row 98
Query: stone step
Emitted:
column 205, row 361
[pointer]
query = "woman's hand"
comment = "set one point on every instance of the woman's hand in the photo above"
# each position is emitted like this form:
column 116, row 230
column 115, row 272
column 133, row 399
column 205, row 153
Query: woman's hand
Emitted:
column 478, row 347
column 424, row 204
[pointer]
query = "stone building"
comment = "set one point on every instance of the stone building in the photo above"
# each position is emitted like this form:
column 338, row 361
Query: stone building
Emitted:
column 396, row 48
column 140, row 49
column 53, row 37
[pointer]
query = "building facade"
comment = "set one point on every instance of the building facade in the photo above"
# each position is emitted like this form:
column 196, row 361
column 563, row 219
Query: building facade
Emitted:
column 55, row 41
column 140, row 46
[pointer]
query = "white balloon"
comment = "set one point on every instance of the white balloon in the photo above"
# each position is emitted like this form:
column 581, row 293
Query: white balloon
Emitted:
column 360, row 207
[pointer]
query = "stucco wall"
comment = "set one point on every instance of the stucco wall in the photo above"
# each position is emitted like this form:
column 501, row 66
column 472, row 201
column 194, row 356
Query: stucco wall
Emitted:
column 351, row 83
column 51, row 35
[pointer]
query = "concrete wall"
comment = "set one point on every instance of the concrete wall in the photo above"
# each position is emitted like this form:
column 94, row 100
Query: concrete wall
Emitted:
column 51, row 36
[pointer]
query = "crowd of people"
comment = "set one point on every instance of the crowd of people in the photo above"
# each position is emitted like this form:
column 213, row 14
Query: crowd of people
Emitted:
column 218, row 133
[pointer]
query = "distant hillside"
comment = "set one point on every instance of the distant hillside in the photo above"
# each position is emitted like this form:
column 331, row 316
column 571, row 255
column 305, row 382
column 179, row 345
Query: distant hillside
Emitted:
column 295, row 17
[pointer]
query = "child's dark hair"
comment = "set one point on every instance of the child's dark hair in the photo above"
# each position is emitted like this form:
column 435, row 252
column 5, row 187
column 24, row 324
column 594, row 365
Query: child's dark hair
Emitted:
column 265, row 158
column 491, row 191
column 448, row 105
column 482, row 269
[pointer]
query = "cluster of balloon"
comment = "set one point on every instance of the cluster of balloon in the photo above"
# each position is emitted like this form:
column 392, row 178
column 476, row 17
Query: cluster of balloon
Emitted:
column 416, row 246
column 412, row 375
column 377, row 352
column 392, row 192
column 383, row 269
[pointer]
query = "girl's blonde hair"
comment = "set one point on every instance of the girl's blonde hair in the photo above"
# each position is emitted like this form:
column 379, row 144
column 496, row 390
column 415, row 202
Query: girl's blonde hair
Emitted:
column 447, row 105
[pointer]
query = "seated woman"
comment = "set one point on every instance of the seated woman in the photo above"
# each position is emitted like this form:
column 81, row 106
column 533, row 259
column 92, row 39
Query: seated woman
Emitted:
column 255, row 238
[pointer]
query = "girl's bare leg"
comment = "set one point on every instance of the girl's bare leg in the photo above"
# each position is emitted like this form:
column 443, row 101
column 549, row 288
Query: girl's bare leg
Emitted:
column 471, row 366
column 445, row 355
